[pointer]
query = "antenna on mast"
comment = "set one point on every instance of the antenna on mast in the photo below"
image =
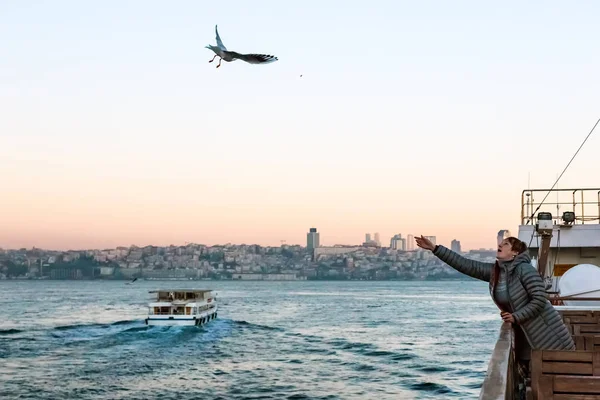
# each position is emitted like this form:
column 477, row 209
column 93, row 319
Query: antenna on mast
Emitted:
column 557, row 200
column 529, row 204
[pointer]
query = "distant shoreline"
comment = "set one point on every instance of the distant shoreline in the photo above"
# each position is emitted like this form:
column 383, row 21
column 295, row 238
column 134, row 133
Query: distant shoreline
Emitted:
column 241, row 280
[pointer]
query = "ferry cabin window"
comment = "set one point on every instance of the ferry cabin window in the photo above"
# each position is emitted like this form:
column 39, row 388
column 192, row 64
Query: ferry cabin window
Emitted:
column 195, row 310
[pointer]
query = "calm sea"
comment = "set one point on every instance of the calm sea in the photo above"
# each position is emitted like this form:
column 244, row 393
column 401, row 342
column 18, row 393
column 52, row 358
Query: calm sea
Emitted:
column 288, row 340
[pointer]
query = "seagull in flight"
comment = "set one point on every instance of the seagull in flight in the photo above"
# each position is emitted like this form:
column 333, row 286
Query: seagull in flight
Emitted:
column 224, row 54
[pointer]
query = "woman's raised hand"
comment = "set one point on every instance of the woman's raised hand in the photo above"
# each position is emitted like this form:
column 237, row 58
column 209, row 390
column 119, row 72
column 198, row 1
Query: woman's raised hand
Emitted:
column 424, row 243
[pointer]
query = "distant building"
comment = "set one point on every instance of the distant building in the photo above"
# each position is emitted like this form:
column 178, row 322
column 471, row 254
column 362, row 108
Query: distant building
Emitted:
column 455, row 246
column 267, row 277
column 410, row 243
column 394, row 242
column 398, row 242
column 503, row 234
column 312, row 239
column 66, row 273
column 371, row 242
column 349, row 262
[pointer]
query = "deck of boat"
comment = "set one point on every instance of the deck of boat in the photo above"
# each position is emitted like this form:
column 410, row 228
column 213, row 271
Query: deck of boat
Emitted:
column 183, row 294
column 553, row 374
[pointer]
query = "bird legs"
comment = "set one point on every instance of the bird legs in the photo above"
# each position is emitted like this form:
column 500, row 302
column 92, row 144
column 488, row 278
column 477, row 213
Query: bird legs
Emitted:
column 213, row 59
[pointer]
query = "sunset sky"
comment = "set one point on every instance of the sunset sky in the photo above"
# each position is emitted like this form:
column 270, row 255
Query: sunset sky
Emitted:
column 410, row 117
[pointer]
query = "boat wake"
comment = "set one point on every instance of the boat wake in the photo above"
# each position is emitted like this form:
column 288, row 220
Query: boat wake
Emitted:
column 257, row 326
column 435, row 388
column 9, row 331
column 94, row 325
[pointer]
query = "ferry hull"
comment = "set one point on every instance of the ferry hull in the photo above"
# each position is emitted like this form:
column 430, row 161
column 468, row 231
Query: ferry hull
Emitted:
column 180, row 320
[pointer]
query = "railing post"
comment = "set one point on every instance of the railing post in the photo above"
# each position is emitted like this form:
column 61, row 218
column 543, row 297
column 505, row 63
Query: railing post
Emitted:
column 574, row 203
column 499, row 382
column 582, row 207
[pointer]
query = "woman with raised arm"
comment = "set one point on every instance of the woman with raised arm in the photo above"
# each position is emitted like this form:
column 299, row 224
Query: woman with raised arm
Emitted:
column 519, row 292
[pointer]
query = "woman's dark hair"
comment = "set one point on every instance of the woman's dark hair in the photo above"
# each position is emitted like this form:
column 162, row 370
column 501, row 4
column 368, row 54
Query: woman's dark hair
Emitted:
column 517, row 245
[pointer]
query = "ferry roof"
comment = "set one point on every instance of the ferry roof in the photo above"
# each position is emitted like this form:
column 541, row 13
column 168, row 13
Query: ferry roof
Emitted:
column 563, row 236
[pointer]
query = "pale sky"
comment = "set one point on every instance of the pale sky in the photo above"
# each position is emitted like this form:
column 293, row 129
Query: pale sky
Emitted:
column 412, row 117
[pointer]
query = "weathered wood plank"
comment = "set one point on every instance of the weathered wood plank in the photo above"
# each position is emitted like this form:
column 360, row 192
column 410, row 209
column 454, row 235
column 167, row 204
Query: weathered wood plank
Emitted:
column 587, row 342
column 567, row 368
column 536, row 373
column 586, row 329
column 580, row 342
column 576, row 313
column 560, row 396
column 566, row 355
column 545, row 386
column 582, row 320
column 576, row 384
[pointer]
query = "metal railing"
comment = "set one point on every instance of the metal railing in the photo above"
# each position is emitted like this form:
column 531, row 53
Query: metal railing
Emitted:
column 170, row 312
column 577, row 204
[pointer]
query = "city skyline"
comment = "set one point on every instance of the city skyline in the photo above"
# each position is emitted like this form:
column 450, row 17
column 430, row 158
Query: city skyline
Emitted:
column 116, row 129
column 312, row 240
column 245, row 262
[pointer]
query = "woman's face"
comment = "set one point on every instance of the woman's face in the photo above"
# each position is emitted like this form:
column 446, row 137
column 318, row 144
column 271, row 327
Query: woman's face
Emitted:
column 505, row 251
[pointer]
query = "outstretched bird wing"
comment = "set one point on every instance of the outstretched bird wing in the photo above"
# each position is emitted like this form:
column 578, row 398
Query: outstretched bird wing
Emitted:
column 219, row 41
column 254, row 58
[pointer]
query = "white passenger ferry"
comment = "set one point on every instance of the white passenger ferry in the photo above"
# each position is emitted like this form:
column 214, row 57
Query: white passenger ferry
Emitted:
column 182, row 307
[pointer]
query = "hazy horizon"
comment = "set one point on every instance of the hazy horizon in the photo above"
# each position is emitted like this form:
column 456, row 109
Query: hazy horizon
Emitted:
column 413, row 118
